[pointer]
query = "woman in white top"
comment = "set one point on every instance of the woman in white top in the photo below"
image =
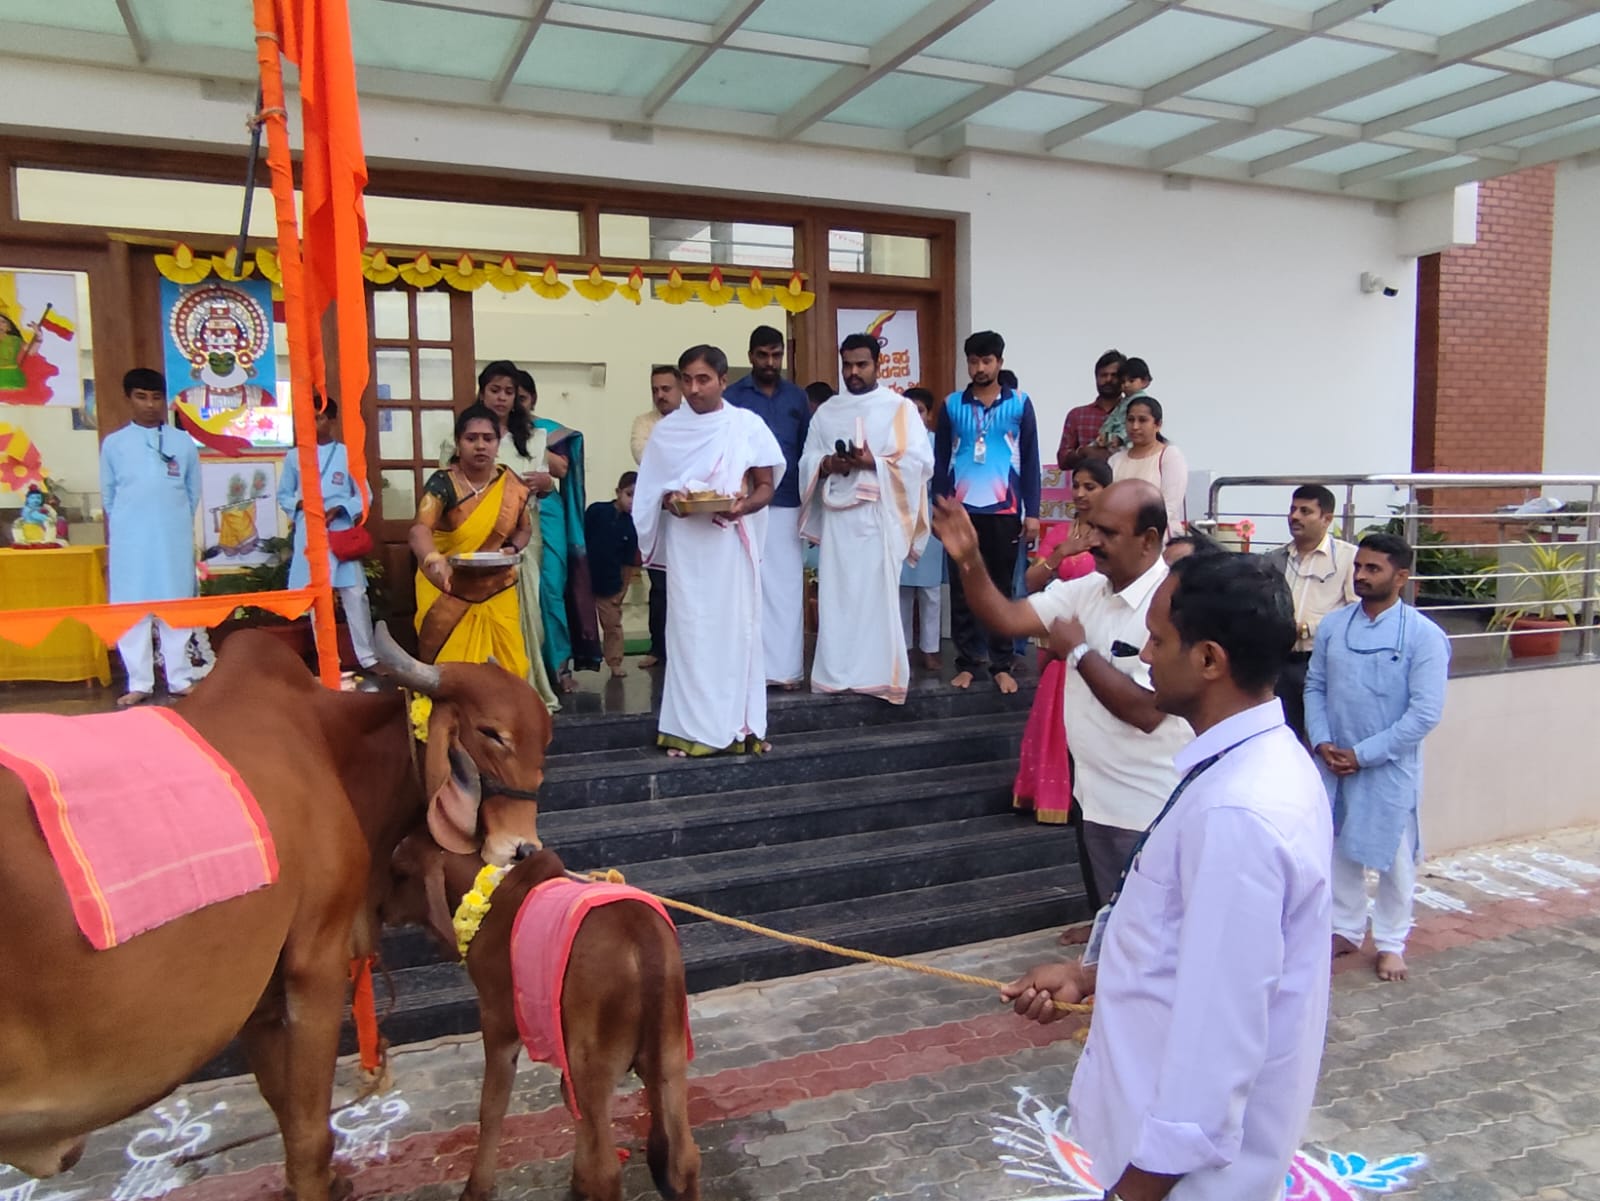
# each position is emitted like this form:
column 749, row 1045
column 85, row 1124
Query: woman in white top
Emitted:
column 1151, row 457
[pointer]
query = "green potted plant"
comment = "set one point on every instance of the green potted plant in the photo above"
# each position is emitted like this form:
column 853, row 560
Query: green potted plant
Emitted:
column 1545, row 599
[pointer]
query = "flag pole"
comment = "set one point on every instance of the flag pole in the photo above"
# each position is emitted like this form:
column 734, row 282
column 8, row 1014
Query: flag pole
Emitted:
column 274, row 117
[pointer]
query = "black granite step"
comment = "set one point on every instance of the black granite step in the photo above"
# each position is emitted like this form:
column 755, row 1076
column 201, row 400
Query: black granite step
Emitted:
column 613, row 777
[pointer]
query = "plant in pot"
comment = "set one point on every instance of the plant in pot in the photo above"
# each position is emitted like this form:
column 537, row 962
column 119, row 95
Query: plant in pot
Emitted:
column 1545, row 601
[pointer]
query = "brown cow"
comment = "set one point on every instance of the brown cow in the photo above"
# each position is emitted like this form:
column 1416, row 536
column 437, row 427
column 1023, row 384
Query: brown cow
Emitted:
column 88, row 1037
column 623, row 1006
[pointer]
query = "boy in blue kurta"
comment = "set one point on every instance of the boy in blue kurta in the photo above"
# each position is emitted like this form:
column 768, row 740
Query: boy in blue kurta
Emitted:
column 1374, row 690
column 150, row 489
column 343, row 503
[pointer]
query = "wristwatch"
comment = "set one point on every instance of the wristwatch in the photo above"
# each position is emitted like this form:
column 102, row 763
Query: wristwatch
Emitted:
column 1077, row 654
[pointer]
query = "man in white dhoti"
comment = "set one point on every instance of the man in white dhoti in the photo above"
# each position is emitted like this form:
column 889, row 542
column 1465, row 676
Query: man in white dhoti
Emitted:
column 864, row 488
column 150, row 487
column 714, row 698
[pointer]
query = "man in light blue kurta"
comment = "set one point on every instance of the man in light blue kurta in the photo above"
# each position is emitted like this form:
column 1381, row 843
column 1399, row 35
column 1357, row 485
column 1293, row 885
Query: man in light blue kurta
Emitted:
column 343, row 503
column 1374, row 690
column 150, row 489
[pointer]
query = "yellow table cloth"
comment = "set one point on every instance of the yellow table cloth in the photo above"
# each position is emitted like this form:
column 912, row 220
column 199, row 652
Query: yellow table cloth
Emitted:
column 37, row 579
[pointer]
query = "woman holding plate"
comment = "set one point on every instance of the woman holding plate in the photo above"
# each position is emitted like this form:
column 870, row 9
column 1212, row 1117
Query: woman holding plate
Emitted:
column 468, row 612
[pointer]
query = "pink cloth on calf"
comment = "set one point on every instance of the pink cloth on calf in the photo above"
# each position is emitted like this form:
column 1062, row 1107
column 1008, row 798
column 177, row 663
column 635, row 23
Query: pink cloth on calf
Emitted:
column 145, row 820
column 541, row 943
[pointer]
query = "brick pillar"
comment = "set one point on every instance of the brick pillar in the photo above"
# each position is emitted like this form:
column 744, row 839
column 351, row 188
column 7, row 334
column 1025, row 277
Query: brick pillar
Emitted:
column 1483, row 315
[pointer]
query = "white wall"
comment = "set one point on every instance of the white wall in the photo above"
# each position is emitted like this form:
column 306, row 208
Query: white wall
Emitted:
column 1572, row 385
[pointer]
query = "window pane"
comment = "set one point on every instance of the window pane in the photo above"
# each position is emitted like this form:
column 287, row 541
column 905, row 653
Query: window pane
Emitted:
column 399, row 494
column 433, row 317
column 438, row 431
column 391, row 322
column 687, row 240
column 394, row 374
column 434, row 380
column 394, row 434
column 128, row 202
column 879, row 254
column 431, row 223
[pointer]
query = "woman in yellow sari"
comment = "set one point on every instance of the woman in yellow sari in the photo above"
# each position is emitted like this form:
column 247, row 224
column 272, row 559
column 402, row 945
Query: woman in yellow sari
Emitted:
column 467, row 615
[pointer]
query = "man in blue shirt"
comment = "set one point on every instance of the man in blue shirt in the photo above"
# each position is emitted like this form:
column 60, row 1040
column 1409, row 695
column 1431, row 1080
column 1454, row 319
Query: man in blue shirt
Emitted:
column 782, row 404
column 1374, row 690
column 986, row 455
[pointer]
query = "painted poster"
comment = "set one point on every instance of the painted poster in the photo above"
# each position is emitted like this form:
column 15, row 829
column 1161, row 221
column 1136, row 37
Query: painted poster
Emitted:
column 238, row 510
column 900, row 359
column 38, row 338
column 1055, row 494
column 221, row 364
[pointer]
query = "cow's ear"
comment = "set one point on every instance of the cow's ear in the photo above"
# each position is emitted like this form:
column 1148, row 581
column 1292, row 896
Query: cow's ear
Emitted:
column 452, row 814
column 442, row 725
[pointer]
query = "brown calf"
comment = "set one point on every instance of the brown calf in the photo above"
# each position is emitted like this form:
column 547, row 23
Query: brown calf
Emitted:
column 623, row 1006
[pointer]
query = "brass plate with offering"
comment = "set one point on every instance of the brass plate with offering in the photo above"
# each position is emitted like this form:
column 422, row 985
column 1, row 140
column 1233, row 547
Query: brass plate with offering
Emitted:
column 705, row 502
column 485, row 560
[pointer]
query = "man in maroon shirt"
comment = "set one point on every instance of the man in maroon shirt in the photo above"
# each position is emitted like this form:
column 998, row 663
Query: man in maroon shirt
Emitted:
column 1083, row 423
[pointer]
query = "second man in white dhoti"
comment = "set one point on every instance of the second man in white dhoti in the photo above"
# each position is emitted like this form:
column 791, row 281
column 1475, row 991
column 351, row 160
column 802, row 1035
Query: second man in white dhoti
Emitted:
column 864, row 500
column 714, row 699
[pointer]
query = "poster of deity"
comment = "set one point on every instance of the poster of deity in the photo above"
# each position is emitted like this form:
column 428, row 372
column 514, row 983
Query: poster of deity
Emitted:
column 38, row 338
column 238, row 510
column 221, row 365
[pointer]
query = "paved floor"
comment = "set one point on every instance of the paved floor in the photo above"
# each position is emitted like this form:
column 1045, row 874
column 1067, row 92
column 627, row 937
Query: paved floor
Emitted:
column 1478, row 1079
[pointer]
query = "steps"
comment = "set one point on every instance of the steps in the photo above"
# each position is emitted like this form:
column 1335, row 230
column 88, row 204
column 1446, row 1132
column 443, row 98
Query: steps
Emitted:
column 884, row 828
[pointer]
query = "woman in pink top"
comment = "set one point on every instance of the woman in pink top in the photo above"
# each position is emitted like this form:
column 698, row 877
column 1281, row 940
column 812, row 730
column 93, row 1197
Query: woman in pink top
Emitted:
column 1044, row 775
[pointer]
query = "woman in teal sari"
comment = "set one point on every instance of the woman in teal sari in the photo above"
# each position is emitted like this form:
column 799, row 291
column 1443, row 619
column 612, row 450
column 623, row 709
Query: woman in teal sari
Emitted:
column 566, row 601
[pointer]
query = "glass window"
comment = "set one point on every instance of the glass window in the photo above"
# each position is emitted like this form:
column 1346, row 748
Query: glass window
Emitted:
column 394, row 374
column 394, row 434
column 391, row 317
column 433, row 317
column 399, row 493
column 435, row 380
column 430, row 223
column 689, row 240
column 438, row 427
column 879, row 254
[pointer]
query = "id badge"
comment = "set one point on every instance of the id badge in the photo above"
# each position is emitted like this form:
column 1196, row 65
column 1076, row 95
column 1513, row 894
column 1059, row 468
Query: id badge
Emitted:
column 1097, row 935
column 980, row 449
column 172, row 468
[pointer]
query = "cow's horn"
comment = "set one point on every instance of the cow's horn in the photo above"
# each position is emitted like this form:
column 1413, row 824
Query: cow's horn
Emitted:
column 412, row 673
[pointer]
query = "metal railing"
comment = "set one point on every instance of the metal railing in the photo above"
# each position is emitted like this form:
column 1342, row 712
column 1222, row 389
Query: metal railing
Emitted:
column 1465, row 578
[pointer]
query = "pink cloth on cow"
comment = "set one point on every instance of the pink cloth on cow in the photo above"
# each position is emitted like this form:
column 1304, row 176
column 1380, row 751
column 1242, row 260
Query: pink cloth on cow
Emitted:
column 541, row 943
column 146, row 822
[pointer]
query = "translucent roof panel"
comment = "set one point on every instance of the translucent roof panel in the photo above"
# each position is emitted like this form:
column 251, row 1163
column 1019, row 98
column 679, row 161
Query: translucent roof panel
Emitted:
column 834, row 20
column 182, row 21
column 93, row 16
column 899, row 101
column 1033, row 112
column 1533, row 139
column 1444, row 164
column 1352, row 158
column 1541, row 98
column 1564, row 39
column 755, row 83
column 1159, row 48
column 469, row 45
column 1412, row 93
column 585, row 61
column 1009, row 33
column 684, row 10
column 1436, row 18
column 1264, row 144
column 1144, row 130
column 1302, row 65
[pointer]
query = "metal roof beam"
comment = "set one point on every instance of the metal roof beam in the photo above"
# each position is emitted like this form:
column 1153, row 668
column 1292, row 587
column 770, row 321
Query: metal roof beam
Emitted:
column 1512, row 130
column 695, row 57
column 890, row 52
column 519, row 49
column 1527, row 19
column 130, row 22
column 1390, row 166
column 1572, row 145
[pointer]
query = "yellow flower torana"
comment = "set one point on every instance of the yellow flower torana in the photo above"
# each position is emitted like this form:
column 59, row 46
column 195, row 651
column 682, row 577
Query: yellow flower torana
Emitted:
column 475, row 905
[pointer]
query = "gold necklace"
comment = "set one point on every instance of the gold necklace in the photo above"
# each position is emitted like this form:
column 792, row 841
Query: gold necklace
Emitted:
column 475, row 491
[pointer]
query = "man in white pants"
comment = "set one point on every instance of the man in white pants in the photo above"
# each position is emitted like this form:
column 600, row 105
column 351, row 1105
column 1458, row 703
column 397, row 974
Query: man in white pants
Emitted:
column 782, row 405
column 150, row 487
column 1374, row 690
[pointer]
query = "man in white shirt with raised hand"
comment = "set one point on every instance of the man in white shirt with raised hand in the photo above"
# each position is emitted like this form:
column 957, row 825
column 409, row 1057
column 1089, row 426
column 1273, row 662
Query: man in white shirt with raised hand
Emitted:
column 1321, row 573
column 1122, row 744
column 1207, row 965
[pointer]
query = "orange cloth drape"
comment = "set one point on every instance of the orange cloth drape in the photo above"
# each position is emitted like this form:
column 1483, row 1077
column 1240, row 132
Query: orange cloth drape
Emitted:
column 29, row 627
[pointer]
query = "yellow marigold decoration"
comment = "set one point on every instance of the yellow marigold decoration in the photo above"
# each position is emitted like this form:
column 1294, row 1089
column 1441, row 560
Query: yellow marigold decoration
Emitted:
column 181, row 266
column 474, row 906
column 505, row 275
column 794, row 297
column 548, row 283
column 377, row 268
column 634, row 289
column 267, row 264
column 420, row 271
column 675, row 291
column 227, row 266
column 594, row 286
column 757, row 295
column 421, row 711
column 714, row 292
column 463, row 275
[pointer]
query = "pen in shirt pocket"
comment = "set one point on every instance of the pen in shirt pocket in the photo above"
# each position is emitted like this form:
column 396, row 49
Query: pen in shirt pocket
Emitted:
column 1121, row 650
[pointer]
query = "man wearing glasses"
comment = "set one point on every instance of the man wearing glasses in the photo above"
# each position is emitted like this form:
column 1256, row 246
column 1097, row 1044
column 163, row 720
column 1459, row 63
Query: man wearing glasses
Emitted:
column 1374, row 690
column 150, row 488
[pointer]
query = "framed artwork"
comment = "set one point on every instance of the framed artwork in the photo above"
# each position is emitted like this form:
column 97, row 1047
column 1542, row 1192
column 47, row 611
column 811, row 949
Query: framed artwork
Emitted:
column 38, row 338
column 221, row 364
column 238, row 510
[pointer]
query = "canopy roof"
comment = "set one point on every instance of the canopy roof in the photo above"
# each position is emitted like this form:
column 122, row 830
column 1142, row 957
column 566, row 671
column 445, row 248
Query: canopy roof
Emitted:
column 1389, row 99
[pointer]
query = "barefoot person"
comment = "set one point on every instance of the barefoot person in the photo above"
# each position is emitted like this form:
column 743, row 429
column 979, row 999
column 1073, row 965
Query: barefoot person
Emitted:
column 1374, row 690
column 1122, row 742
column 714, row 699
column 866, row 508
column 986, row 455
column 1207, row 963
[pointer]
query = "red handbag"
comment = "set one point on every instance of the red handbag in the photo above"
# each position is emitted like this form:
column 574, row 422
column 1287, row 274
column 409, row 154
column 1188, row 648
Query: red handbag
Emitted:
column 352, row 545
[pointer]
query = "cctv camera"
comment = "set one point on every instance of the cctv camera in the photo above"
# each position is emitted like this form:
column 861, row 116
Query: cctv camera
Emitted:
column 1391, row 291
column 1376, row 283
